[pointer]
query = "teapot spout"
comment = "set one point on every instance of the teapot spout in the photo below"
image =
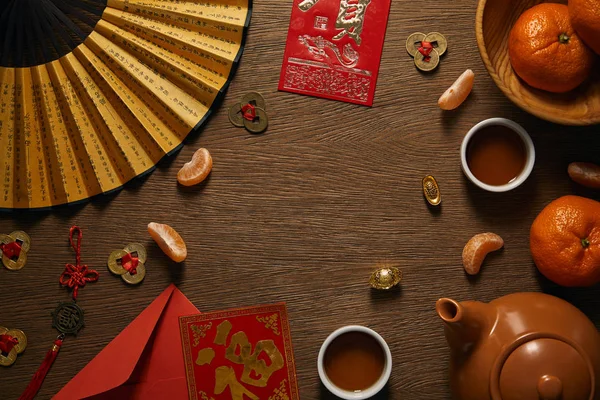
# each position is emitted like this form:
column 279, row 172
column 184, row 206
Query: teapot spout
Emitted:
column 465, row 323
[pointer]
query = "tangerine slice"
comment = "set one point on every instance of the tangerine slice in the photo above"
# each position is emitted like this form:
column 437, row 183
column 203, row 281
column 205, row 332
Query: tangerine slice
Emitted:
column 169, row 241
column 458, row 92
column 586, row 174
column 195, row 171
column 477, row 249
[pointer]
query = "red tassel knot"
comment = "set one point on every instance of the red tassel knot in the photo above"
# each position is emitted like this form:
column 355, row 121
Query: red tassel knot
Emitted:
column 76, row 276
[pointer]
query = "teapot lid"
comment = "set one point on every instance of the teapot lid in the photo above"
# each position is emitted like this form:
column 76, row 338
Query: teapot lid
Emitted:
column 543, row 366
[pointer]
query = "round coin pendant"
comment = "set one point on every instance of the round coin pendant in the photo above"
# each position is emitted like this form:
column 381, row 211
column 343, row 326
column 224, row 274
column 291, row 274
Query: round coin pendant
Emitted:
column 254, row 98
column 21, row 337
column 138, row 277
column 236, row 116
column 8, row 359
column 414, row 42
column 385, row 278
column 439, row 42
column 68, row 318
column 427, row 65
column 23, row 243
column 114, row 262
column 259, row 124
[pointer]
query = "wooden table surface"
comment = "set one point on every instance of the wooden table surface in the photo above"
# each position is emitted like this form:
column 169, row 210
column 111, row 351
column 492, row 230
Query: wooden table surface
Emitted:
column 305, row 212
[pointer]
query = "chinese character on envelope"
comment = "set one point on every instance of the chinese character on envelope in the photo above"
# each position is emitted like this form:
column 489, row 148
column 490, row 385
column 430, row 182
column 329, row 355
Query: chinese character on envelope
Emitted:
column 242, row 354
column 334, row 49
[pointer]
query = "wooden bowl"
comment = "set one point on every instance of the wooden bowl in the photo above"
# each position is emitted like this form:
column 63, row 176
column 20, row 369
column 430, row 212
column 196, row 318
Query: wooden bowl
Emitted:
column 495, row 19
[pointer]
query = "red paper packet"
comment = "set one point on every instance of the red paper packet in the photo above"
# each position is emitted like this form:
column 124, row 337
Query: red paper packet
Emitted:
column 334, row 49
column 240, row 354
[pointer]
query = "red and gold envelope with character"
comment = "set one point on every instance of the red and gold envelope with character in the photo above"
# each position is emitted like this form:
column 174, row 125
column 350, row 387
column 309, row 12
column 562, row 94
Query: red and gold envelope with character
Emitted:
column 334, row 48
column 240, row 354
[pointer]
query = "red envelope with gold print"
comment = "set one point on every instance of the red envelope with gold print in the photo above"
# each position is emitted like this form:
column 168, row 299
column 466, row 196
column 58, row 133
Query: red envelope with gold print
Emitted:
column 241, row 354
column 334, row 48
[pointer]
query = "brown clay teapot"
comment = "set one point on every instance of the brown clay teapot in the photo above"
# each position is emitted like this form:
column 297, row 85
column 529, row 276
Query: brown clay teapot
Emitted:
column 526, row 346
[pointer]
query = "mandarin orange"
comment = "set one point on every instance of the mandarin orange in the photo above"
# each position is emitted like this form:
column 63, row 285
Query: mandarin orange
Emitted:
column 585, row 17
column 169, row 241
column 546, row 52
column 565, row 241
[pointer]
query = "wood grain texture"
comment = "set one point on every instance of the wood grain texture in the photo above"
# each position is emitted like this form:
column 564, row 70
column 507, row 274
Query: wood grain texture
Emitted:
column 305, row 212
column 494, row 21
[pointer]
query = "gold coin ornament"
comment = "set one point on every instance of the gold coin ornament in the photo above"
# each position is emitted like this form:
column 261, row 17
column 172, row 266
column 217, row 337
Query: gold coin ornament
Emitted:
column 14, row 248
column 250, row 113
column 129, row 263
column 385, row 278
column 426, row 49
column 12, row 343
column 431, row 191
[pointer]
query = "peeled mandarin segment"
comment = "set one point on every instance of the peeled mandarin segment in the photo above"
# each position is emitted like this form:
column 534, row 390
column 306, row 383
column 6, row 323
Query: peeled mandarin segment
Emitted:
column 586, row 174
column 195, row 171
column 458, row 92
column 169, row 241
column 477, row 249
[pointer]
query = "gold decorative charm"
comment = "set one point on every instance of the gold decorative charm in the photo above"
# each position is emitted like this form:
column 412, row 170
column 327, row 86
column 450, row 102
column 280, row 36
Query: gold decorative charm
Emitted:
column 129, row 263
column 280, row 393
column 426, row 49
column 199, row 332
column 14, row 248
column 270, row 322
column 250, row 113
column 12, row 343
column 431, row 191
column 385, row 278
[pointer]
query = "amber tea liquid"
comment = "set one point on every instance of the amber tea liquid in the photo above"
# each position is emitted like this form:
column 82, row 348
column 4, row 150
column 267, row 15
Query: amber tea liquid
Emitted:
column 354, row 361
column 496, row 155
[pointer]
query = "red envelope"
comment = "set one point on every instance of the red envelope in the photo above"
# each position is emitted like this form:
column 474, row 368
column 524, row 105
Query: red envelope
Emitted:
column 145, row 361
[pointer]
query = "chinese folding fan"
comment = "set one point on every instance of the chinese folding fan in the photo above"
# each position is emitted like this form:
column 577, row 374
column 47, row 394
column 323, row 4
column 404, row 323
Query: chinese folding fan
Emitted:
column 94, row 93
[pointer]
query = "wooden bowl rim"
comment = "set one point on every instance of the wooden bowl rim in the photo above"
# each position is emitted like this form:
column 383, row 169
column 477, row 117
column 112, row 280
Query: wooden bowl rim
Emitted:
column 546, row 115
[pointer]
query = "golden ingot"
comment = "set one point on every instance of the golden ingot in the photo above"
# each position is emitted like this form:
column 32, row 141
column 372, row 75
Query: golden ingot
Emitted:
column 116, row 267
column 24, row 241
column 431, row 191
column 427, row 66
column 385, row 278
column 439, row 42
column 236, row 116
column 259, row 123
column 414, row 42
column 254, row 98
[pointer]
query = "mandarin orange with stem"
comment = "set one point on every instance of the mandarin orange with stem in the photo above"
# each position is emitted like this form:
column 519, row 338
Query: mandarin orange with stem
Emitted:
column 546, row 52
column 169, row 241
column 565, row 241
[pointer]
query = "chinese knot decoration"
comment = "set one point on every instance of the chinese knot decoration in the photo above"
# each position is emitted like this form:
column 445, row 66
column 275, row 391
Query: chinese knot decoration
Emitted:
column 76, row 276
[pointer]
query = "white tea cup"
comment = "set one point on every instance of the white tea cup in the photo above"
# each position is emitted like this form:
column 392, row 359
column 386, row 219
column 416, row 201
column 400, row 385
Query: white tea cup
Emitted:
column 357, row 395
column 529, row 154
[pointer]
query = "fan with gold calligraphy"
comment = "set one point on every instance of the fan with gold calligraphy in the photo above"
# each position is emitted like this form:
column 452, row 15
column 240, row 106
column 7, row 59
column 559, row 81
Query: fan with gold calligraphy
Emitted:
column 95, row 92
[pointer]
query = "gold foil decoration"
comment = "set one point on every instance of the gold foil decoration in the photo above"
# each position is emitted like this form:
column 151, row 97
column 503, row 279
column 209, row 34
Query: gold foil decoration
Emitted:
column 385, row 278
column 15, row 263
column 270, row 322
column 10, row 358
column 115, row 263
column 205, row 356
column 431, row 191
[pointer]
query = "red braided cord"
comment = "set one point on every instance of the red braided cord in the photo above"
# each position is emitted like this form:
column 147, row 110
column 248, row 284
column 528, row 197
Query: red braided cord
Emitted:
column 76, row 276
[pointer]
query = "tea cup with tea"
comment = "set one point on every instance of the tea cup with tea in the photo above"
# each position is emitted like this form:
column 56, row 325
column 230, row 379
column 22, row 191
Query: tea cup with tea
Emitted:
column 354, row 363
column 497, row 155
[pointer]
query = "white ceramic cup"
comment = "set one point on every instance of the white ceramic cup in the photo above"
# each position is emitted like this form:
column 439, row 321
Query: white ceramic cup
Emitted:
column 529, row 149
column 363, row 394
